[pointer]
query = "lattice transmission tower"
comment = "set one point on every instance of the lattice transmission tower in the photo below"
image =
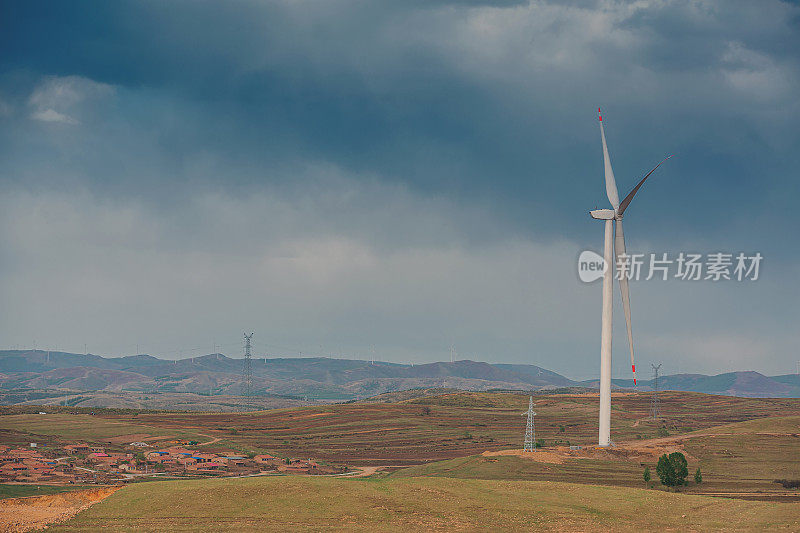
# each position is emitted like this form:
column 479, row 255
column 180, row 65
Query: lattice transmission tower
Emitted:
column 248, row 366
column 655, row 408
column 530, row 429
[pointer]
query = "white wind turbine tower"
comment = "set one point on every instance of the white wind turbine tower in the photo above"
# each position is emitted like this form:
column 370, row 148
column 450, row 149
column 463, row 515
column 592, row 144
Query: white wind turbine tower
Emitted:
column 613, row 217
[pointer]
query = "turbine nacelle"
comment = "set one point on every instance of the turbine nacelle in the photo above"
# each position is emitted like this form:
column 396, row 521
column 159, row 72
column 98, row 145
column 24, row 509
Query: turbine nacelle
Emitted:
column 603, row 214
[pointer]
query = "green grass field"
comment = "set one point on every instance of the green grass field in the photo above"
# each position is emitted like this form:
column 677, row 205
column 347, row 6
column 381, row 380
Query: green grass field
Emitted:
column 338, row 504
column 8, row 490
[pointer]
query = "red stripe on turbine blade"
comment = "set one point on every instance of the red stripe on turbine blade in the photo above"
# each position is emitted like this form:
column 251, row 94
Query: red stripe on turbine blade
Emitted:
column 633, row 368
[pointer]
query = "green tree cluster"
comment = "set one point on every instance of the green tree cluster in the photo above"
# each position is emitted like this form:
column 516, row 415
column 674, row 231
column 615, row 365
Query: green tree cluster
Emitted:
column 672, row 469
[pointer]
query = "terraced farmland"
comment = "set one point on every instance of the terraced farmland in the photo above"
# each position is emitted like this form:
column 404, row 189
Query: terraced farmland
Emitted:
column 410, row 432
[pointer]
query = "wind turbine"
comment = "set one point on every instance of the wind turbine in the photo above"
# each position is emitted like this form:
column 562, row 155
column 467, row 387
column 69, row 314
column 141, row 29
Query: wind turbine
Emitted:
column 613, row 219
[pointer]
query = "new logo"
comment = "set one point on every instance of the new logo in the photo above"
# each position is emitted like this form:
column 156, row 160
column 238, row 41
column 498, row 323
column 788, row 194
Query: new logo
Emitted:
column 591, row 266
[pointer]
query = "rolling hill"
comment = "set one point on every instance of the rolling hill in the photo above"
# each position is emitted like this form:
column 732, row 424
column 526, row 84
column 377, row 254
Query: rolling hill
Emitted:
column 36, row 376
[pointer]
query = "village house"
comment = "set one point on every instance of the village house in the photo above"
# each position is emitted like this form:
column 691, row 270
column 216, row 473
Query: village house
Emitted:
column 210, row 467
column 12, row 470
column 158, row 456
column 186, row 461
column 76, row 448
column 266, row 460
column 236, row 460
column 130, row 468
column 102, row 458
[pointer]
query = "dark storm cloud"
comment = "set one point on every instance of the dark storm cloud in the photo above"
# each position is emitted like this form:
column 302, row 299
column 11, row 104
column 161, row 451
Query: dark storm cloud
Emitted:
column 440, row 95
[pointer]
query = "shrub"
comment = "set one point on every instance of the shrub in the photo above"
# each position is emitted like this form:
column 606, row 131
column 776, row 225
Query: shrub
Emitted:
column 672, row 469
column 698, row 477
column 646, row 474
column 662, row 432
column 426, row 410
column 539, row 443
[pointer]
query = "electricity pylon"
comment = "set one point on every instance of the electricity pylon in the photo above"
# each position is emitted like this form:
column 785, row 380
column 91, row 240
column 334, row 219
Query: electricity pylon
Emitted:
column 530, row 429
column 655, row 409
column 248, row 367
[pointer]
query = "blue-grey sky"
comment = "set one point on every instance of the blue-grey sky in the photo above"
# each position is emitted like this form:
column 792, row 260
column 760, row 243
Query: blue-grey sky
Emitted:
column 343, row 175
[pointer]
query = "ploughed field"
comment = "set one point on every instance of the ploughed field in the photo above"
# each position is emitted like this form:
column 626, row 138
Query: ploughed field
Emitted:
column 409, row 432
column 418, row 503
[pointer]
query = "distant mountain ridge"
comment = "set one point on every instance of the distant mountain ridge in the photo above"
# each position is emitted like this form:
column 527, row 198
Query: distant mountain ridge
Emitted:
column 333, row 379
column 747, row 384
column 325, row 378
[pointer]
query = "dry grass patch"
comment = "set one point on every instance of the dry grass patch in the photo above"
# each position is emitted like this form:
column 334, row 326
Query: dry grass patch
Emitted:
column 438, row 504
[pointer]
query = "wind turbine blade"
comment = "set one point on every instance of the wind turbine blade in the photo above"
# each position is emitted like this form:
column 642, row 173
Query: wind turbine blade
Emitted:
column 624, row 205
column 611, row 184
column 619, row 249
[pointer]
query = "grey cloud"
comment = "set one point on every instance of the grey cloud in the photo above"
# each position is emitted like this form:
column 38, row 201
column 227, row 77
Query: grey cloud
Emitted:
column 55, row 97
column 392, row 270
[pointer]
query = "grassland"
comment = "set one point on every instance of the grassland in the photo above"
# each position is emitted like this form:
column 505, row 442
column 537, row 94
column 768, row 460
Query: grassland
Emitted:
column 8, row 490
column 337, row 504
column 743, row 459
column 439, row 478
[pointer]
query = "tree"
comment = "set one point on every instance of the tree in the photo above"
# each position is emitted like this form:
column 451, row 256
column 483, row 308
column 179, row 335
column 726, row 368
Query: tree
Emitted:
column 698, row 477
column 672, row 469
column 646, row 474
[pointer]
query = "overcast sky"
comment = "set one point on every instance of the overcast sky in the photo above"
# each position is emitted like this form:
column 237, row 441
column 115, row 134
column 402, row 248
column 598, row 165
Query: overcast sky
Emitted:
column 349, row 176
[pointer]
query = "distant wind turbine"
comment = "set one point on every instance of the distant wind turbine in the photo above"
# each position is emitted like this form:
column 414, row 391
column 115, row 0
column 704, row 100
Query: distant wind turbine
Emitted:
column 610, row 257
